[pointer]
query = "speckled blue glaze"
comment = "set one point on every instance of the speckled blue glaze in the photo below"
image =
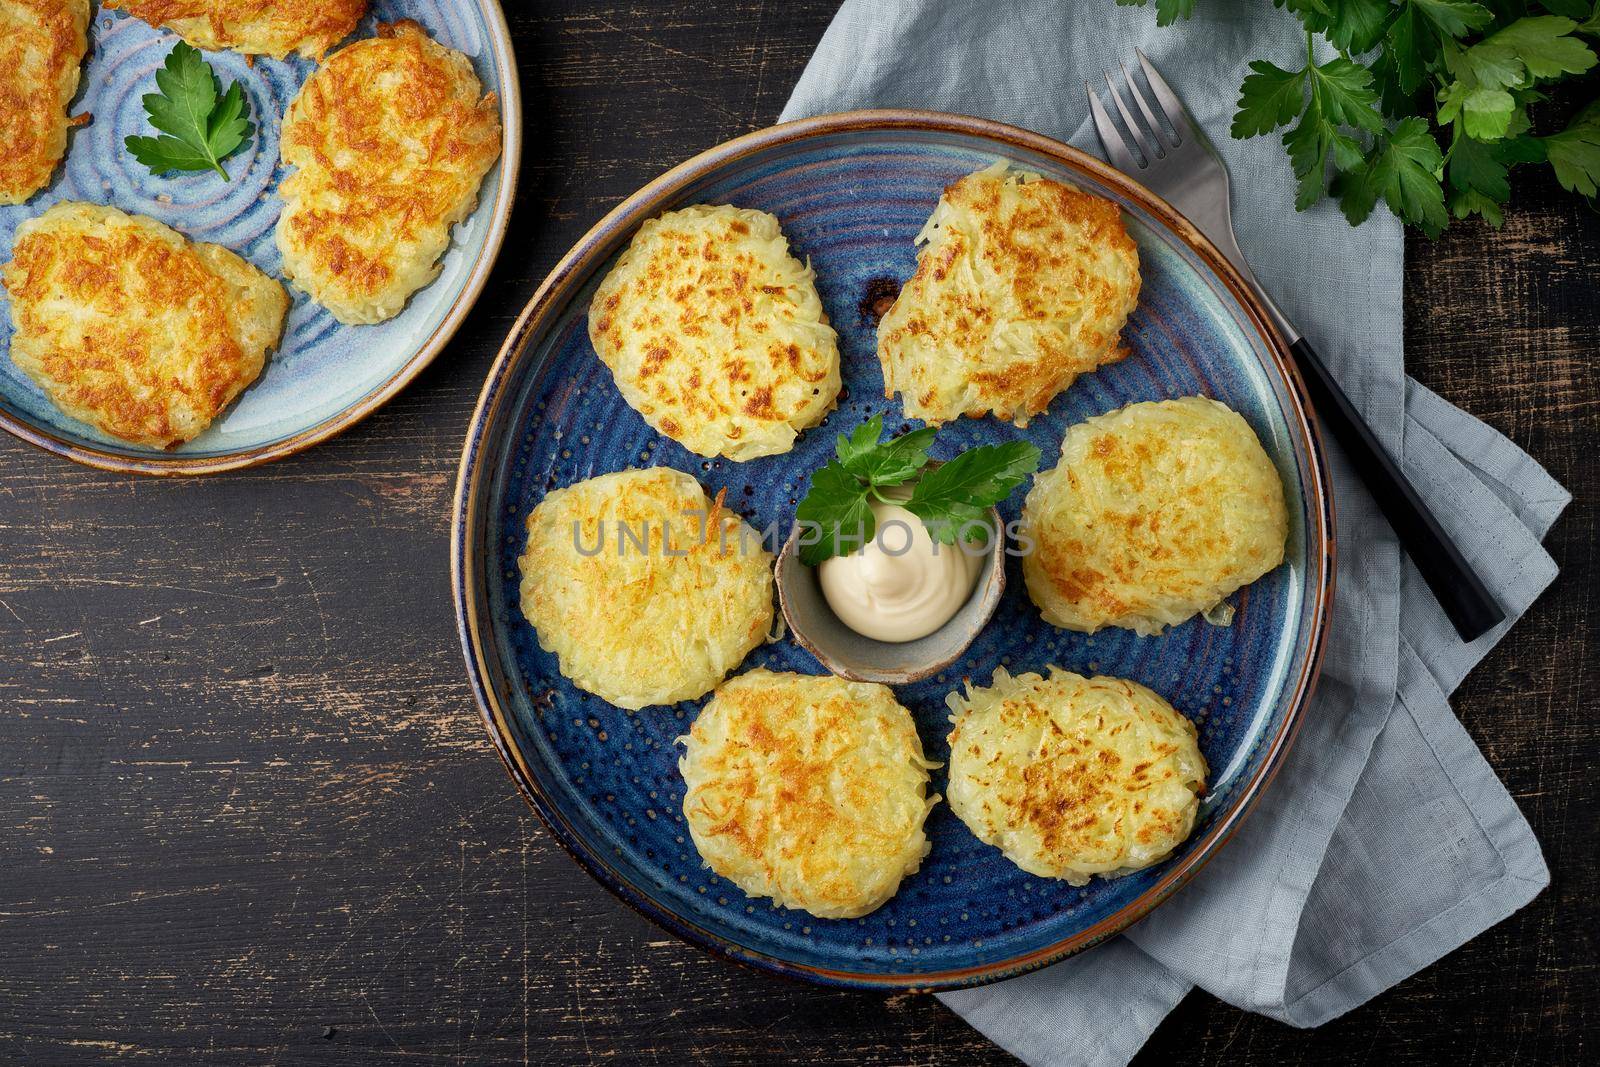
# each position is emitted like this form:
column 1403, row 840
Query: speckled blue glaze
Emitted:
column 322, row 368
column 607, row 779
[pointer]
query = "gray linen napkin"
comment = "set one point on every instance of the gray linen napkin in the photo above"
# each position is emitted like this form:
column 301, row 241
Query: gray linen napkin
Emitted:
column 1386, row 840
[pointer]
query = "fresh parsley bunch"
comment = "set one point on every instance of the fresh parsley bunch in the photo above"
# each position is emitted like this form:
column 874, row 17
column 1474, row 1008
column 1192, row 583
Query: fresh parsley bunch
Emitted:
column 950, row 498
column 201, row 124
column 1411, row 76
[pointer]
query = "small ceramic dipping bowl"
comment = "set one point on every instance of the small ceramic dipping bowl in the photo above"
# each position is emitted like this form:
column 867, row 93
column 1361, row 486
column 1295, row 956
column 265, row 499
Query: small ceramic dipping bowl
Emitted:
column 863, row 659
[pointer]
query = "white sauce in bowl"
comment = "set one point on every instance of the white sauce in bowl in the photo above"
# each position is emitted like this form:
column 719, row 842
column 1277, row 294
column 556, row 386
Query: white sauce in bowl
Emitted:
column 902, row 585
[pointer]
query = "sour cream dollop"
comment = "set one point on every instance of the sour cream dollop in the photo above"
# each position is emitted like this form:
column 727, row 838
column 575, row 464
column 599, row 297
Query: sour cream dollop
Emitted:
column 902, row 585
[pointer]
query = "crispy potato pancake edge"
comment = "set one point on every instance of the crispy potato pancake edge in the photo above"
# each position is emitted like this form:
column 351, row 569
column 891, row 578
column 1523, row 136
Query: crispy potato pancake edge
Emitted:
column 811, row 790
column 1155, row 512
column 1072, row 777
column 715, row 333
column 42, row 45
column 391, row 142
column 266, row 27
column 128, row 326
column 627, row 620
column 1023, row 283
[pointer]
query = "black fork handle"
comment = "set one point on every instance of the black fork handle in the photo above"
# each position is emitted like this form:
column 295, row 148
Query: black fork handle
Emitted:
column 1467, row 602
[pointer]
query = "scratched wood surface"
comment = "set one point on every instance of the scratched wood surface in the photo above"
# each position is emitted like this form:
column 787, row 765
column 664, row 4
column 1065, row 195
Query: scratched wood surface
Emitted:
column 248, row 814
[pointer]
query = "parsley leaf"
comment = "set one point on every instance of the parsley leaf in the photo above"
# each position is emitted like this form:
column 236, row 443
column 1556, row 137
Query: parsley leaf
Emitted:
column 1353, row 26
column 1575, row 152
column 1394, row 99
column 1545, row 46
column 200, row 129
column 1310, row 144
column 1403, row 172
column 952, row 498
column 1466, row 202
column 1341, row 95
column 1484, row 113
column 1343, row 88
column 852, row 449
column 889, row 463
column 1409, row 47
column 1540, row 46
column 1480, row 99
column 1478, row 170
column 1463, row 72
column 1270, row 97
column 1416, row 35
column 838, row 504
column 1573, row 8
column 1452, row 18
column 1475, row 166
column 1167, row 11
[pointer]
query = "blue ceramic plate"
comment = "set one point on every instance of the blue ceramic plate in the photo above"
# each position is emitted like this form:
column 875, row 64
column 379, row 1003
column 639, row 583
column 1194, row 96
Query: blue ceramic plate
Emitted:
column 325, row 376
column 851, row 192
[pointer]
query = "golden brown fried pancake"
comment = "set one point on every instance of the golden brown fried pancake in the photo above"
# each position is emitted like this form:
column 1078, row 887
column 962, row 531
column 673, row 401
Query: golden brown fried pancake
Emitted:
column 809, row 790
column 715, row 333
column 644, row 621
column 1024, row 284
column 129, row 327
column 391, row 139
column 42, row 43
column 1156, row 511
column 259, row 27
column 1072, row 777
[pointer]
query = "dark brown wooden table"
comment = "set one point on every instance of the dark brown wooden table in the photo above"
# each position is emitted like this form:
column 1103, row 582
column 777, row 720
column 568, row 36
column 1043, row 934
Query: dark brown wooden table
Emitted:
column 248, row 813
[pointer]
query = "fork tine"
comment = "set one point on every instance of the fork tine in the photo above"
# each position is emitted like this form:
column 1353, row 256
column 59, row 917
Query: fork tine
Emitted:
column 1150, row 154
column 1171, row 106
column 1156, row 132
column 1110, row 138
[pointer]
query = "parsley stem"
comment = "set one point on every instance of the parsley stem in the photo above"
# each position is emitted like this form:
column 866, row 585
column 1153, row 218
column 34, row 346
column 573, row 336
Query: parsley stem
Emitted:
column 873, row 489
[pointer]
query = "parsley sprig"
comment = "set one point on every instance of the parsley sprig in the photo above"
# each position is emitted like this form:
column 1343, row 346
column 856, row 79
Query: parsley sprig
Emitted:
column 1425, row 105
column 202, row 125
column 950, row 499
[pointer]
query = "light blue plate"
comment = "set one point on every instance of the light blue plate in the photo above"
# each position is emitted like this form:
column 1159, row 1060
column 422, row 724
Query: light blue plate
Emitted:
column 851, row 192
column 325, row 376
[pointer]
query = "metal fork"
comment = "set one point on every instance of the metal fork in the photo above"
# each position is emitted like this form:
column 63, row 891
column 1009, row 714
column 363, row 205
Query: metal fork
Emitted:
column 1178, row 164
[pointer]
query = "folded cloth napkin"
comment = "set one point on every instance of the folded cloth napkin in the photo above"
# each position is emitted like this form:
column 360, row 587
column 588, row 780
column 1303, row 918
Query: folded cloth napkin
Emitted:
column 1386, row 840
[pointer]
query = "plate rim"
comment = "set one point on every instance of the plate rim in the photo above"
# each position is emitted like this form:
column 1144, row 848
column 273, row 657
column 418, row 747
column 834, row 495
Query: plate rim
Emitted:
column 551, row 297
column 157, row 465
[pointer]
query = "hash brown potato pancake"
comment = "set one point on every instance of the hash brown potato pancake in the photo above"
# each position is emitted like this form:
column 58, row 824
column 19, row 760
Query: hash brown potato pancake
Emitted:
column 42, row 43
column 392, row 141
column 654, row 615
column 128, row 326
column 715, row 333
column 1155, row 512
column 1023, row 284
column 255, row 27
column 811, row 790
column 1073, row 777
